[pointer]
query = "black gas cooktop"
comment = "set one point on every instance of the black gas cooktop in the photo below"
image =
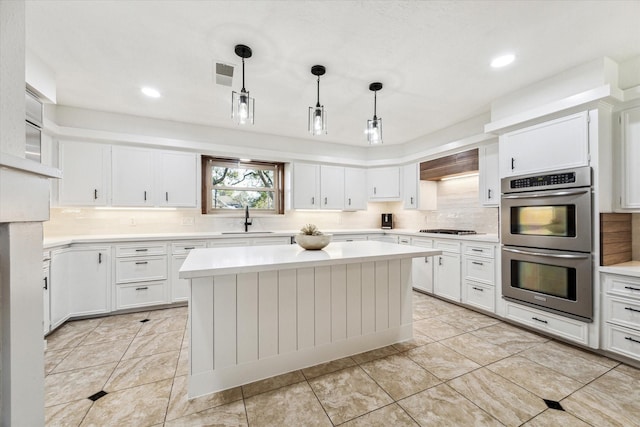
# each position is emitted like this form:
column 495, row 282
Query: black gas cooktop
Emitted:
column 447, row 231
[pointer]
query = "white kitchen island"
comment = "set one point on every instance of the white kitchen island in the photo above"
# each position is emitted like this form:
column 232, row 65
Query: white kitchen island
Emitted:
column 260, row 311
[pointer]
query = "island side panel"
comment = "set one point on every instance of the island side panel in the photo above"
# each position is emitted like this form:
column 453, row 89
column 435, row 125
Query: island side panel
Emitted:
column 323, row 305
column 306, row 311
column 338, row 302
column 224, row 321
column 382, row 295
column 287, row 320
column 368, row 298
column 247, row 303
column 354, row 300
column 267, row 314
column 201, row 321
column 395, row 286
column 406, row 291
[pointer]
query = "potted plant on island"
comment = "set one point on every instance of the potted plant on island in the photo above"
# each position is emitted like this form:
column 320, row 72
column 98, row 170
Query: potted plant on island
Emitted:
column 311, row 238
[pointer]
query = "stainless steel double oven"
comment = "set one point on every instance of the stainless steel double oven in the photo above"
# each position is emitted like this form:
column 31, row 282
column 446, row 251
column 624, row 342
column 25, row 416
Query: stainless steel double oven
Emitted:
column 546, row 231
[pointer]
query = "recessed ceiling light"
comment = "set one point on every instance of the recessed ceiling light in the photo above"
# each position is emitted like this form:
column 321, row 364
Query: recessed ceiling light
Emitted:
column 502, row 61
column 150, row 92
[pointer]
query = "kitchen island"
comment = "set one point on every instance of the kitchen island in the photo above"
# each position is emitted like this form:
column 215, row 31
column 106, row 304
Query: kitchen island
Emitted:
column 260, row 311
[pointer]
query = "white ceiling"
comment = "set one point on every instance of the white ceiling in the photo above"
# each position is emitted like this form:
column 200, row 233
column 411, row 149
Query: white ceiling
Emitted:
column 432, row 57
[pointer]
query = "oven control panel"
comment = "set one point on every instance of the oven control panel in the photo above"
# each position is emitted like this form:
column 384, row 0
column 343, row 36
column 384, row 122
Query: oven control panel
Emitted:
column 544, row 180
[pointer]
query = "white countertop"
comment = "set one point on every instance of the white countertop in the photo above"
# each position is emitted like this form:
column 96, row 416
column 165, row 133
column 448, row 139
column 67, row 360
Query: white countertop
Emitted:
column 630, row 268
column 234, row 260
column 52, row 242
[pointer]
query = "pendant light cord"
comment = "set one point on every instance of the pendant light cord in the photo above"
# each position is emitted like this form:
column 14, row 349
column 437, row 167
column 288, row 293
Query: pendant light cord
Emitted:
column 375, row 99
column 243, row 89
column 318, row 103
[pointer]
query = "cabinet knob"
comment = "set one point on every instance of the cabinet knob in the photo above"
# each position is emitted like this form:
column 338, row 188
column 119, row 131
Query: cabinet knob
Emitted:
column 325, row 201
column 439, row 260
column 95, row 194
column 489, row 194
column 313, row 200
column 145, row 196
column 46, row 285
column 411, row 200
column 166, row 196
column 513, row 163
column 349, row 201
column 99, row 257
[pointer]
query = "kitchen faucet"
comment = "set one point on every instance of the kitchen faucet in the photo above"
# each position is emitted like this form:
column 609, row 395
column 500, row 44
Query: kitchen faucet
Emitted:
column 247, row 221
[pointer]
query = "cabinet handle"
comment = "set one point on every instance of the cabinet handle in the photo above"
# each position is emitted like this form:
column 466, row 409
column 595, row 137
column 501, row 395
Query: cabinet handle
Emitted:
column 632, row 309
column 99, row 257
column 476, row 250
column 477, row 263
column 411, row 200
column 513, row 163
column 95, row 194
column 489, row 193
column 439, row 260
column 325, row 201
column 631, row 339
column 145, row 196
column 46, row 284
column 313, row 200
column 632, row 288
column 144, row 288
column 142, row 262
column 539, row 320
column 426, row 260
column 166, row 196
column 349, row 201
column 374, row 190
column 477, row 289
column 142, row 250
column 188, row 248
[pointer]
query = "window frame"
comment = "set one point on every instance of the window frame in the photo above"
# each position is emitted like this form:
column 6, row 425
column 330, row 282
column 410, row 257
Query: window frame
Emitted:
column 207, row 186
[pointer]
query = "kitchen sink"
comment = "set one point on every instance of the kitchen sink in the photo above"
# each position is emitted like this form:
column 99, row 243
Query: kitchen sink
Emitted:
column 246, row 232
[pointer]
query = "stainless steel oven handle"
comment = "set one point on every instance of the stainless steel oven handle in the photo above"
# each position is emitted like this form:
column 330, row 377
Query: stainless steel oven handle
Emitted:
column 565, row 256
column 554, row 194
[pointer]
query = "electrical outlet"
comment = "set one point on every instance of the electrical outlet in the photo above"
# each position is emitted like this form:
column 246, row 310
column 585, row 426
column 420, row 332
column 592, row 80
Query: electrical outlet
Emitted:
column 187, row 220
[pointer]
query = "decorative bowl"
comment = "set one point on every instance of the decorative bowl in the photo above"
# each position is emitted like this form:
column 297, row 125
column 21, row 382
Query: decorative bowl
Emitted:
column 313, row 242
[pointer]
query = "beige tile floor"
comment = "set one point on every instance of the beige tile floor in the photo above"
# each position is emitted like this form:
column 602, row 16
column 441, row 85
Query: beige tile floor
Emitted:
column 462, row 368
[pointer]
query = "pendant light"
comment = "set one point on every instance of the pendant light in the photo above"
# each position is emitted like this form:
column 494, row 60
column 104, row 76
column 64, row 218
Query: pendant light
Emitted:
column 242, row 105
column 374, row 127
column 317, row 115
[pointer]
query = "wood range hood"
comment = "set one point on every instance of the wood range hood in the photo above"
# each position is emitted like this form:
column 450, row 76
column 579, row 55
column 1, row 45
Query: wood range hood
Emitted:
column 454, row 165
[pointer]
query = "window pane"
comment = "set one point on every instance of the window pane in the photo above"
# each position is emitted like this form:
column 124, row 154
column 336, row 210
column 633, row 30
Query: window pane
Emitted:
column 238, row 199
column 247, row 178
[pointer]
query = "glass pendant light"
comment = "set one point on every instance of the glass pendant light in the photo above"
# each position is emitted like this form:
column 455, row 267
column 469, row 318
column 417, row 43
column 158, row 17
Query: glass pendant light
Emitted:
column 374, row 127
column 242, row 105
column 317, row 114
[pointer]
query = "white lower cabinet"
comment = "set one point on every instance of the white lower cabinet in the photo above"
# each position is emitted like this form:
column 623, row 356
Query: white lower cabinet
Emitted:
column 621, row 314
column 141, row 280
column 479, row 295
column 570, row 329
column 479, row 275
column 179, row 251
column 46, row 307
column 422, row 268
column 446, row 270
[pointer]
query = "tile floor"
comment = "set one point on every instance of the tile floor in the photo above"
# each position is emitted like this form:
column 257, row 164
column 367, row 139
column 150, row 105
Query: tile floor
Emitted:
column 462, row 368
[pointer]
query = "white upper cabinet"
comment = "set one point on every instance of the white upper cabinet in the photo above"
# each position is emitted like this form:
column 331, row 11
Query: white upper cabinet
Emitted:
column 489, row 175
column 383, row 184
column 630, row 195
column 556, row 144
column 86, row 168
column 355, row 189
column 177, row 179
column 410, row 186
column 306, row 186
column 132, row 182
column 331, row 187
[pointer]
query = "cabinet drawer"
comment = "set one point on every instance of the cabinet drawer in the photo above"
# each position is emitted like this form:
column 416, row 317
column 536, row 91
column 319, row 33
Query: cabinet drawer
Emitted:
column 479, row 295
column 479, row 269
column 423, row 243
column 404, row 240
column 184, row 247
column 216, row 243
column 622, row 340
column 623, row 312
column 140, row 294
column 141, row 269
column 479, row 249
column 623, row 286
column 140, row 250
column 349, row 237
column 447, row 246
column 570, row 329
column 264, row 241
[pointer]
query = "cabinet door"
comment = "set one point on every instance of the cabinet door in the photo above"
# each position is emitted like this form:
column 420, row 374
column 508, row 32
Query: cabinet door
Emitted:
column 179, row 287
column 85, row 168
column 132, row 176
column 88, row 280
column 384, row 183
column 422, row 273
column 177, row 185
column 556, row 144
column 306, row 186
column 489, row 175
column 631, row 159
column 355, row 189
column 447, row 276
column 58, row 288
column 331, row 187
column 46, row 309
column 410, row 187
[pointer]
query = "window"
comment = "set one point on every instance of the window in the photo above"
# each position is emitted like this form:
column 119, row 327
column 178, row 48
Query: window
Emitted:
column 230, row 185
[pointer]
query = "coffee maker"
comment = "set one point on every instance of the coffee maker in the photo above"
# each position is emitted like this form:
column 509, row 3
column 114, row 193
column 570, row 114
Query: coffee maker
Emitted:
column 387, row 221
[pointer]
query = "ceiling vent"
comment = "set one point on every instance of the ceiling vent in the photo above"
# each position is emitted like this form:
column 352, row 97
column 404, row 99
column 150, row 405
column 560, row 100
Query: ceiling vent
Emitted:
column 223, row 74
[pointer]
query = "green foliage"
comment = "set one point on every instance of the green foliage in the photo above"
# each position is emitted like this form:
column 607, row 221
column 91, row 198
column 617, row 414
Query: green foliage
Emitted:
column 234, row 188
column 311, row 230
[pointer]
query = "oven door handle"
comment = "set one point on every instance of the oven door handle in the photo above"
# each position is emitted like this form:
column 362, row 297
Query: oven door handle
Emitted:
column 554, row 194
column 565, row 256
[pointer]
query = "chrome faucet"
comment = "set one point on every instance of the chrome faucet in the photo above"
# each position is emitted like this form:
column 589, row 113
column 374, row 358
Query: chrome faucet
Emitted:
column 247, row 221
